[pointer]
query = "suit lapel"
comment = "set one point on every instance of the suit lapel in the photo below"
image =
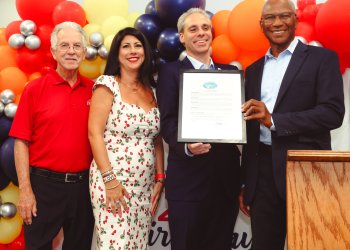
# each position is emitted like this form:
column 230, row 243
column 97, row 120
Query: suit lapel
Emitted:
column 186, row 64
column 259, row 74
column 295, row 63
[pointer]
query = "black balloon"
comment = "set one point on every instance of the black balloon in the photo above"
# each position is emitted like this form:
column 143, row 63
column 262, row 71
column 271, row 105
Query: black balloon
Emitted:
column 7, row 160
column 210, row 14
column 151, row 8
column 169, row 45
column 150, row 26
column 4, row 180
column 170, row 10
column 5, row 126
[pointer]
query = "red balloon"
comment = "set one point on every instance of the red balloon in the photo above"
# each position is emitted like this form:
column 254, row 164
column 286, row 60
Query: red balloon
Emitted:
column 44, row 33
column 12, row 28
column 344, row 60
column 18, row 243
column 306, row 30
column 310, row 13
column 38, row 11
column 3, row 247
column 299, row 14
column 303, row 3
column 29, row 61
column 69, row 11
column 332, row 25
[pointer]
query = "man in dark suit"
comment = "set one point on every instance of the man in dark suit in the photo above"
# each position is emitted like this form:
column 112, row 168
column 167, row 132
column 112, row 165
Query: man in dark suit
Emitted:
column 202, row 184
column 295, row 97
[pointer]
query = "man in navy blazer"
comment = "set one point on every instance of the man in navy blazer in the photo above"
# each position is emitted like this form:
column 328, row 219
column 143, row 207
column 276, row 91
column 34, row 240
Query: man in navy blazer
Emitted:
column 295, row 97
column 203, row 180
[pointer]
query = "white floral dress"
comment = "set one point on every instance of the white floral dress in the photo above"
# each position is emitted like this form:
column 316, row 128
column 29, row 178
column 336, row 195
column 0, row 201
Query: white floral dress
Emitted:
column 128, row 136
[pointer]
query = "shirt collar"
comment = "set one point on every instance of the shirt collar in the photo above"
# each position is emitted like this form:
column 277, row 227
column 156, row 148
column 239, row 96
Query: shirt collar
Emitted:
column 197, row 64
column 290, row 49
column 57, row 79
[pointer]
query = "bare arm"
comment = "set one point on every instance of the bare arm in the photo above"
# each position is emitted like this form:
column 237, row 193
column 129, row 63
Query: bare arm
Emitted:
column 27, row 202
column 158, row 186
column 101, row 103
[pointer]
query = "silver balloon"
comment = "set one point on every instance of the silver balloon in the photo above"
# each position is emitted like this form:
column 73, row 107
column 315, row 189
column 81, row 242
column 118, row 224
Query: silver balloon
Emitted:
column 182, row 55
column 16, row 41
column 8, row 210
column 102, row 51
column 315, row 43
column 7, row 96
column 91, row 53
column 32, row 42
column 27, row 27
column 301, row 39
column 237, row 64
column 96, row 39
column 10, row 110
column 2, row 106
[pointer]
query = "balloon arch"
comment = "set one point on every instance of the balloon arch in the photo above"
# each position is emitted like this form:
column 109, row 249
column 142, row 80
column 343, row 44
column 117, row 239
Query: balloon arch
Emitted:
column 25, row 54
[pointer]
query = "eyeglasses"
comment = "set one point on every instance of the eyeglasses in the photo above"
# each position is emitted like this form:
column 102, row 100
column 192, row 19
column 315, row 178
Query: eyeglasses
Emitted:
column 284, row 17
column 64, row 47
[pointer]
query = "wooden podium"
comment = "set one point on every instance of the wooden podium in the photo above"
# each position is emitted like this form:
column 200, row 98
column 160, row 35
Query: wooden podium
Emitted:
column 318, row 200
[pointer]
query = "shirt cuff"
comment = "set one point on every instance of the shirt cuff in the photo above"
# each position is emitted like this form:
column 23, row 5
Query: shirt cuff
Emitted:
column 187, row 152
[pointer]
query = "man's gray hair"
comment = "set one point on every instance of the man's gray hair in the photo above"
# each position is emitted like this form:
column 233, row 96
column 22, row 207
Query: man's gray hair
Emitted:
column 63, row 25
column 182, row 18
column 289, row 2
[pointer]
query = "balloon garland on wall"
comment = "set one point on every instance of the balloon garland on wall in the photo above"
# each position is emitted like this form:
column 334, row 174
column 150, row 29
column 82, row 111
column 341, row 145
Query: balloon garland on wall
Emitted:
column 238, row 40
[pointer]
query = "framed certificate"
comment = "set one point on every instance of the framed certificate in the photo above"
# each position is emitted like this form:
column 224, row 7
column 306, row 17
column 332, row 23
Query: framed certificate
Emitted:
column 210, row 106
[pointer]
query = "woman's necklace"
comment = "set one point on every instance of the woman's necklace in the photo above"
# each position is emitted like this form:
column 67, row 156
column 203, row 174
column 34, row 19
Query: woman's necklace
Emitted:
column 132, row 89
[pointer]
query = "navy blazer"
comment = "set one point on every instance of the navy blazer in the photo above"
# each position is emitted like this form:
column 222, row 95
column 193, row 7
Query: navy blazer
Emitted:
column 193, row 178
column 309, row 104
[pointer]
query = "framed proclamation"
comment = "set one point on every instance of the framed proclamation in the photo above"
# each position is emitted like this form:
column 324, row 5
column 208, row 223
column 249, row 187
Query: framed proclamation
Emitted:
column 210, row 106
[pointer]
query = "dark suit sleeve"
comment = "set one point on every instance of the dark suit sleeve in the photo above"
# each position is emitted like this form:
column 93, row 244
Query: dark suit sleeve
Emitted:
column 168, row 102
column 322, row 78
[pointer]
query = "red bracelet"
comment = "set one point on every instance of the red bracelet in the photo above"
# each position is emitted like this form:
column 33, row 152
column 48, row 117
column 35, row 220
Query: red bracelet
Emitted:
column 160, row 176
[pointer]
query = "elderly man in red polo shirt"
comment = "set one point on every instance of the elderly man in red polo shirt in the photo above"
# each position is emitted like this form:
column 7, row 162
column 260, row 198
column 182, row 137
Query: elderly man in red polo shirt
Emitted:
column 52, row 151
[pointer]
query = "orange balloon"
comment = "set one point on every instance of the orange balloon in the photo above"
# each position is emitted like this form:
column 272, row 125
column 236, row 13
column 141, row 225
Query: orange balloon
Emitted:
column 243, row 25
column 12, row 78
column 34, row 75
column 18, row 98
column 248, row 57
column 8, row 57
column 3, row 40
column 219, row 22
column 91, row 69
column 223, row 50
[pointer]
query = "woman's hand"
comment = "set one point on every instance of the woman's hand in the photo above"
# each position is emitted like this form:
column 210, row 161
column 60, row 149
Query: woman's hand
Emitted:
column 115, row 193
column 156, row 195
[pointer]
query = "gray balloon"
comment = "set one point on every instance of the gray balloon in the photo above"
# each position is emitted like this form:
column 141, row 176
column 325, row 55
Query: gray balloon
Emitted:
column 27, row 27
column 315, row 43
column 16, row 41
column 32, row 42
column 96, row 39
column 7, row 96
column 2, row 106
column 8, row 210
column 10, row 110
column 182, row 55
column 102, row 51
column 237, row 64
column 91, row 53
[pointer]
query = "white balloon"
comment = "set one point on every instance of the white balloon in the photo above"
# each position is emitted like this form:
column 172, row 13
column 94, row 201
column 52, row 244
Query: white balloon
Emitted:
column 96, row 39
column 16, row 40
column 315, row 43
column 27, row 27
column 237, row 64
column 102, row 52
column 10, row 110
column 2, row 106
column 91, row 53
column 182, row 55
column 301, row 39
column 7, row 96
column 32, row 42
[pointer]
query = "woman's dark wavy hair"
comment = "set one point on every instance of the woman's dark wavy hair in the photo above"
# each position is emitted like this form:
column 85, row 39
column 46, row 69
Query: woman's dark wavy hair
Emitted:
column 145, row 75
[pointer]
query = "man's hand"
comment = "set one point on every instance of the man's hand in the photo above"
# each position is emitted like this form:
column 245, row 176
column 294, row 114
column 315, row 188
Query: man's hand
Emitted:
column 27, row 205
column 199, row 148
column 256, row 110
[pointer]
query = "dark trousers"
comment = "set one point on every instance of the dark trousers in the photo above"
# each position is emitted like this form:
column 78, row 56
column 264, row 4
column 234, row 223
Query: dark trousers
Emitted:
column 268, row 209
column 202, row 225
column 60, row 204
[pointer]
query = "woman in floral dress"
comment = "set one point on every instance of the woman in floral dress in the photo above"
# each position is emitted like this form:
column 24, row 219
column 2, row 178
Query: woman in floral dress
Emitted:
column 127, row 173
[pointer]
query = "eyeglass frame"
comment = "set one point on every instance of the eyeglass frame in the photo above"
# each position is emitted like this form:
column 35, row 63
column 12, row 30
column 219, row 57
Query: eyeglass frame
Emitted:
column 64, row 47
column 284, row 17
